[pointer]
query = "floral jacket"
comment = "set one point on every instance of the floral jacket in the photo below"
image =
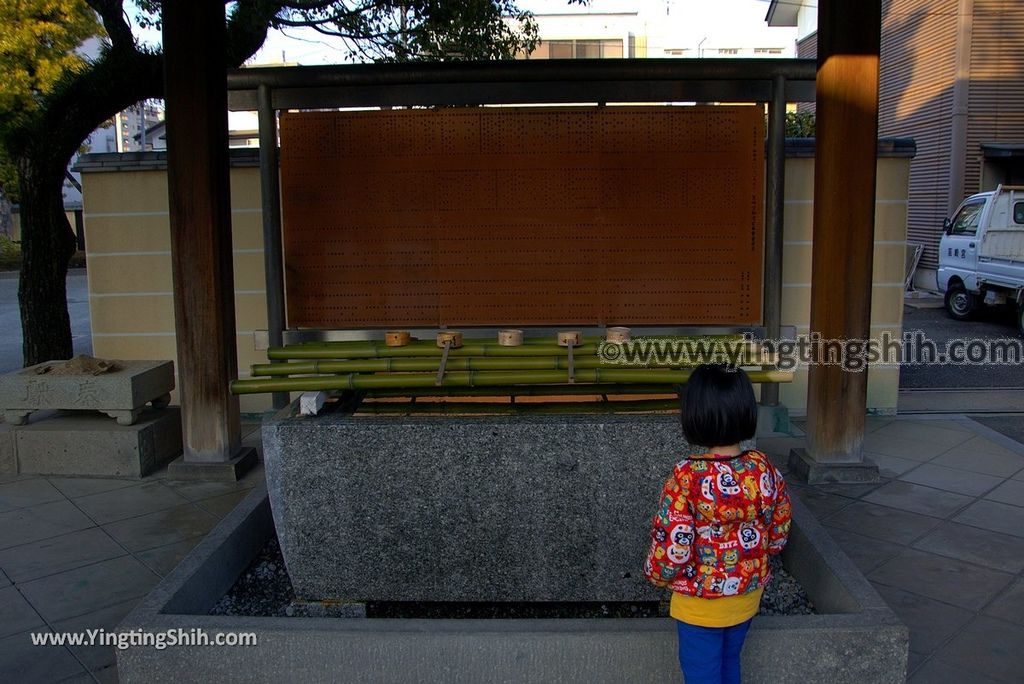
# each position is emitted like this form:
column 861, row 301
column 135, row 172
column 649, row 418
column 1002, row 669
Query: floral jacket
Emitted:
column 719, row 519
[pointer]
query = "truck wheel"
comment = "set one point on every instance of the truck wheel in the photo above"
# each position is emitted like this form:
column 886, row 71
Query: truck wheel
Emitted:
column 960, row 303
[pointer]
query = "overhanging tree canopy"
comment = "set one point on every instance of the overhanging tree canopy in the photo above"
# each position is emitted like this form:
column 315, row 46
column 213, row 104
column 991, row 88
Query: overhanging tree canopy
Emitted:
column 42, row 131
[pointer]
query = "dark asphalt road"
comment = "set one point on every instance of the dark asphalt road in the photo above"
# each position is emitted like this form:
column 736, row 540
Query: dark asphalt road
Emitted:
column 991, row 324
column 1011, row 426
column 10, row 318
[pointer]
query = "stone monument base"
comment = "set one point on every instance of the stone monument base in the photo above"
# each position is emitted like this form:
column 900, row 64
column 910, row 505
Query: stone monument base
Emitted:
column 87, row 443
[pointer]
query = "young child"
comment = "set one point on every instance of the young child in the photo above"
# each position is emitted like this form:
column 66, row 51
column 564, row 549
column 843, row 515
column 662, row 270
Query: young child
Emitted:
column 722, row 513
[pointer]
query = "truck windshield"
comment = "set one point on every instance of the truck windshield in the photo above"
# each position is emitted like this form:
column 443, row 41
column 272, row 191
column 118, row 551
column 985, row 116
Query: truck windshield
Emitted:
column 966, row 221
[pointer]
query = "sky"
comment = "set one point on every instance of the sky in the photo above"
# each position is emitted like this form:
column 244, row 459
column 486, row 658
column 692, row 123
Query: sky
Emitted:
column 669, row 23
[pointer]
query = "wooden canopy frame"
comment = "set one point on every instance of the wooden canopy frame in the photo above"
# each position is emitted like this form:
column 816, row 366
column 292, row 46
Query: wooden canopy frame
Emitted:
column 199, row 92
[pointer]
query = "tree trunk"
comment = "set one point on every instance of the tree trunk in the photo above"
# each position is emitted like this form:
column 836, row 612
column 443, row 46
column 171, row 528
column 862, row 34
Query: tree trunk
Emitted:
column 47, row 244
column 119, row 78
column 6, row 219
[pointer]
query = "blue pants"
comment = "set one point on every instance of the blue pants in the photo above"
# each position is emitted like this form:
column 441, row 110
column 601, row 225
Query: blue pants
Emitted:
column 711, row 655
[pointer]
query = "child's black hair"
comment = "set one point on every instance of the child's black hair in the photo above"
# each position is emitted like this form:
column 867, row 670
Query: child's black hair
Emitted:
column 719, row 408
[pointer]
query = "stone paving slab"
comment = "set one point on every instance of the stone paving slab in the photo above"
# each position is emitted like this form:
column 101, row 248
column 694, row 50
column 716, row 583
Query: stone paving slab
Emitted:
column 21, row 494
column 163, row 559
column 952, row 480
column 57, row 554
column 1010, row 492
column 917, row 498
column 161, row 528
column 892, row 466
column 882, row 522
column 74, row 487
column 129, row 502
column 931, row 622
column 89, row 588
column 915, row 450
column 946, row 434
column 938, row 672
column 982, row 547
column 17, row 614
column 988, row 646
column 96, row 657
column 941, row 578
column 821, row 503
column 992, row 515
column 853, row 491
column 47, row 520
column 220, row 506
column 865, row 552
column 980, row 455
column 20, row 661
column 1010, row 605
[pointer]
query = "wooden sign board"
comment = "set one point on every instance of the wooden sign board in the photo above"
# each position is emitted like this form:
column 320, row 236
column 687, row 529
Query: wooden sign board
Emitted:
column 523, row 216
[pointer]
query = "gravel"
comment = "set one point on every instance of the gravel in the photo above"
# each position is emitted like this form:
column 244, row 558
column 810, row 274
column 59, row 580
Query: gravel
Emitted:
column 264, row 590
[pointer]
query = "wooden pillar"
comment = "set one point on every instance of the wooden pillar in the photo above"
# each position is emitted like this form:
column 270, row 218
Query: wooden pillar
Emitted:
column 200, row 217
column 849, row 38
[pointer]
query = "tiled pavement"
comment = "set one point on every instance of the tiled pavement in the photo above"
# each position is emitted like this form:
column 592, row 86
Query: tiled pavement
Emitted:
column 78, row 553
column 942, row 539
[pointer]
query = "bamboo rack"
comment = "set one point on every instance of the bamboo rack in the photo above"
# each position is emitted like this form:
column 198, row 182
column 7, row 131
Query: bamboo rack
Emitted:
column 486, row 368
column 354, row 381
column 373, row 349
column 403, row 365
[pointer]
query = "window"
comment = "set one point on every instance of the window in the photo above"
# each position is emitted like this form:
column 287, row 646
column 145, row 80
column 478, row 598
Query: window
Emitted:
column 1018, row 212
column 588, row 49
column 578, row 49
column 767, row 51
column 966, row 221
column 560, row 49
column 728, row 51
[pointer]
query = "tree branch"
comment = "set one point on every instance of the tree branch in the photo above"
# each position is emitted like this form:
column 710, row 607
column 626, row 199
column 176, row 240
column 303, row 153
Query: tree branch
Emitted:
column 114, row 22
column 247, row 28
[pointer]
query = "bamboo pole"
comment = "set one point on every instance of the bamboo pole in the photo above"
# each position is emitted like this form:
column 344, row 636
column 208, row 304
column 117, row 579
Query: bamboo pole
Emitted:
column 373, row 350
column 478, row 379
column 518, row 390
column 468, row 408
column 318, row 367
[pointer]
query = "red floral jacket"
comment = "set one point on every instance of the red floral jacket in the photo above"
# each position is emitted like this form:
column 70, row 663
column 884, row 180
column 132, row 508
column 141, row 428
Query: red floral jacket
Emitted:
column 720, row 517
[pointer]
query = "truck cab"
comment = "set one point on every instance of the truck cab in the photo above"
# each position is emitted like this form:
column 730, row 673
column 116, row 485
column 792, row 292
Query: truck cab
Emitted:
column 981, row 254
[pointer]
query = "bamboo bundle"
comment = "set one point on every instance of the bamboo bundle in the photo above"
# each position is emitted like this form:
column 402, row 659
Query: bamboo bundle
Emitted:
column 479, row 379
column 520, row 390
column 372, row 349
column 469, row 408
column 402, row 365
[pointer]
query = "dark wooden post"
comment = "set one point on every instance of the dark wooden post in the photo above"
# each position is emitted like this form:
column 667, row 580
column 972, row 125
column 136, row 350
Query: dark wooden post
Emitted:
column 200, row 216
column 849, row 38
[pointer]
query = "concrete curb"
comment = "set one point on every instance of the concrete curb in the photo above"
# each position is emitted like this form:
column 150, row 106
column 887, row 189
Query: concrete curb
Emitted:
column 858, row 638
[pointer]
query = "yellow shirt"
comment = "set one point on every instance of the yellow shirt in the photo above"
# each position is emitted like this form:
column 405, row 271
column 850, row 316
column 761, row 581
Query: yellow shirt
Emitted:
column 726, row 611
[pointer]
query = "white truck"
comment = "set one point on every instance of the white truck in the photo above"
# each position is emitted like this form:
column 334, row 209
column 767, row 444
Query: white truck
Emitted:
column 981, row 254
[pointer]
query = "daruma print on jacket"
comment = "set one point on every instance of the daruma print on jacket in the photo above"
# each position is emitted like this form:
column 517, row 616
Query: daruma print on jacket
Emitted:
column 720, row 518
